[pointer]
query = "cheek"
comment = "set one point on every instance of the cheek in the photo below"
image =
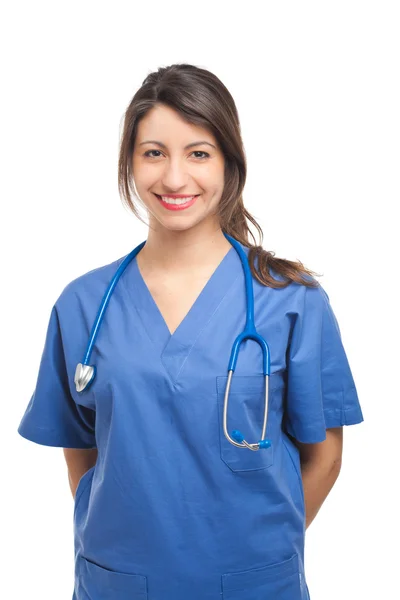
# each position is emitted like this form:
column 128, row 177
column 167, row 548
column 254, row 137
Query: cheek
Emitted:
column 213, row 188
column 143, row 179
column 215, row 193
column 143, row 172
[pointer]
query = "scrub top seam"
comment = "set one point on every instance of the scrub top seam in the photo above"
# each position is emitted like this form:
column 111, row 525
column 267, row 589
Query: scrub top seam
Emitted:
column 131, row 302
column 205, row 325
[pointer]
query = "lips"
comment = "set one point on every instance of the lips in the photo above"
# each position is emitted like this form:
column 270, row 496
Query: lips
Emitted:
column 177, row 206
column 177, row 196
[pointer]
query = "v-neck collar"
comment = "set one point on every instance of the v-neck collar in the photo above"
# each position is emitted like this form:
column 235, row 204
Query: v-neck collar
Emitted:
column 174, row 348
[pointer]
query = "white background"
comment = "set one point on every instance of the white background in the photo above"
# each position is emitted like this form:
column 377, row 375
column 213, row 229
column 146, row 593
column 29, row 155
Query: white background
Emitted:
column 317, row 89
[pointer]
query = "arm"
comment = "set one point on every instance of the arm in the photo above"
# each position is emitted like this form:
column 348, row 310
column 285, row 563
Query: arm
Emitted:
column 320, row 467
column 78, row 462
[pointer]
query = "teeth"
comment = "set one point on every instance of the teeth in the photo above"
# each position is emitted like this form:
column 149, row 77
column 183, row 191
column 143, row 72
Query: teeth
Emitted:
column 176, row 200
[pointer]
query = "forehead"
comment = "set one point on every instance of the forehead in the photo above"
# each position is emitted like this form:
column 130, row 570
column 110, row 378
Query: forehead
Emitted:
column 168, row 126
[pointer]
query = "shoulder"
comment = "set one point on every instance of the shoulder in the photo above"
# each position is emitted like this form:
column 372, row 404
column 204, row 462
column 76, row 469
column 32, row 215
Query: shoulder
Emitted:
column 312, row 298
column 298, row 296
column 310, row 307
column 89, row 285
column 293, row 288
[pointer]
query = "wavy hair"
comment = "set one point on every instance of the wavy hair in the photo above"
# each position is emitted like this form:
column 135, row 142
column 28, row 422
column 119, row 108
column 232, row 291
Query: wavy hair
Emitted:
column 202, row 99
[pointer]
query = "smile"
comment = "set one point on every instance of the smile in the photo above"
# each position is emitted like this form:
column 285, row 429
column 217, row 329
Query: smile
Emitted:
column 177, row 203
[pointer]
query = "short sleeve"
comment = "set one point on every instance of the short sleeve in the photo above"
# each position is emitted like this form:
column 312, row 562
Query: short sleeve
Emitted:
column 321, row 392
column 52, row 417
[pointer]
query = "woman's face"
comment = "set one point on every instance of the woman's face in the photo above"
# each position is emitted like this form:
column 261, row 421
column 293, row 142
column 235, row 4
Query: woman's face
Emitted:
column 170, row 167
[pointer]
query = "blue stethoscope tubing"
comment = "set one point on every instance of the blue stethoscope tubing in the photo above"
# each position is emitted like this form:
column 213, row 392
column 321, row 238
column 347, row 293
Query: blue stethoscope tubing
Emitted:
column 85, row 373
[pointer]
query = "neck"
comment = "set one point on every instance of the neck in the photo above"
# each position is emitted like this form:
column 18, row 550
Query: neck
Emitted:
column 183, row 252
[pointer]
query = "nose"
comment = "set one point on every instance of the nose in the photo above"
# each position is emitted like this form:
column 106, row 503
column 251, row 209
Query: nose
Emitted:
column 175, row 175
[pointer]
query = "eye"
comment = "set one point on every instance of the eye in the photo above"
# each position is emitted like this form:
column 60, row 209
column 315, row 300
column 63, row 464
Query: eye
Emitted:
column 201, row 152
column 148, row 153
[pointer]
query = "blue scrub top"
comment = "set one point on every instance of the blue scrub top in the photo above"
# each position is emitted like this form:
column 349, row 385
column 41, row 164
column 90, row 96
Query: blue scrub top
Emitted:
column 172, row 510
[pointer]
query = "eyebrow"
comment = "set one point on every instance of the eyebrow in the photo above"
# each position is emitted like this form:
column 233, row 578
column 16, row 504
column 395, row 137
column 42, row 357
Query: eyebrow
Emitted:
column 198, row 143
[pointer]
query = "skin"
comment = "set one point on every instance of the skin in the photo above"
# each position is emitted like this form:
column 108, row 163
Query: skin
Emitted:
column 188, row 242
column 320, row 468
column 179, row 242
column 78, row 462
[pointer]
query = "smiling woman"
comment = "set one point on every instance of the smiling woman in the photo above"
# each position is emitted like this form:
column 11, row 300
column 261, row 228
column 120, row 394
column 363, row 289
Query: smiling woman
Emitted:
column 166, row 505
column 187, row 180
column 200, row 152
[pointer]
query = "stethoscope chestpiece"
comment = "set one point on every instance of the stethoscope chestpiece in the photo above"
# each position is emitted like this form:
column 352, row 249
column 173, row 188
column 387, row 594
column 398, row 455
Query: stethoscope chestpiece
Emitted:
column 85, row 373
column 84, row 376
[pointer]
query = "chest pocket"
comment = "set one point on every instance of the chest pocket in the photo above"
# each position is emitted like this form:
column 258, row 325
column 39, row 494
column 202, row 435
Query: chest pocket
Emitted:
column 246, row 413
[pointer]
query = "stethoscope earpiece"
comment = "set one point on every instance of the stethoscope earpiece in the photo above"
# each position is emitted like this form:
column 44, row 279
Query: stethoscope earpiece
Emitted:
column 239, row 438
column 264, row 444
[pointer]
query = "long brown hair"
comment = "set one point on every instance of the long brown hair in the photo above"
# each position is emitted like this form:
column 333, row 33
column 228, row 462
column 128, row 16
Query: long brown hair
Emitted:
column 202, row 99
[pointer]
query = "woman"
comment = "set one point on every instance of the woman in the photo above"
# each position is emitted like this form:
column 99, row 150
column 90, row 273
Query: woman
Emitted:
column 166, row 506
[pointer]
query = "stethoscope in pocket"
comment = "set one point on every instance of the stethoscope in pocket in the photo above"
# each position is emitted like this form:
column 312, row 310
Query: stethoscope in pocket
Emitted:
column 85, row 373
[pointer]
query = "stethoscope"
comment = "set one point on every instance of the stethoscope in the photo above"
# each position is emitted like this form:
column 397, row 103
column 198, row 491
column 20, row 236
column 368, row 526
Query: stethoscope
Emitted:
column 85, row 373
